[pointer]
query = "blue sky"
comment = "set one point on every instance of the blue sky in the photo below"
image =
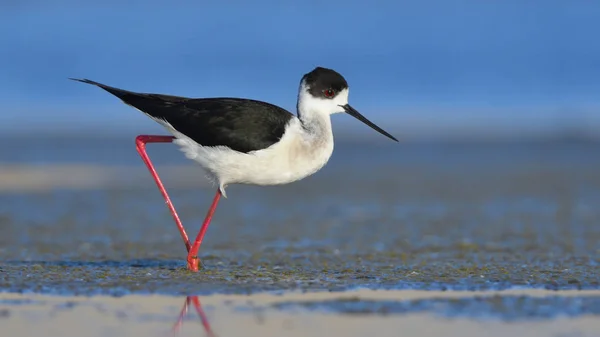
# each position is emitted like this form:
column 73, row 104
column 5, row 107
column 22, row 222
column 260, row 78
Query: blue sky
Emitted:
column 419, row 68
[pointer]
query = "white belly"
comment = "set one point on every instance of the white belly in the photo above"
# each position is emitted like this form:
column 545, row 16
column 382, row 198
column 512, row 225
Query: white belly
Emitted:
column 294, row 157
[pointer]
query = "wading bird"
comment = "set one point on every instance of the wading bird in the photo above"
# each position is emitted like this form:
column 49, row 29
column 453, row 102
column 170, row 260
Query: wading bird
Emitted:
column 244, row 141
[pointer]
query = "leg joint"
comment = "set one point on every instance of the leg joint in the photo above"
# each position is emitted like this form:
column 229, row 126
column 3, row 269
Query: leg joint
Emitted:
column 144, row 139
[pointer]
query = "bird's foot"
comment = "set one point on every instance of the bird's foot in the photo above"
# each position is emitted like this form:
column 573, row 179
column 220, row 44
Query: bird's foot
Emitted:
column 193, row 263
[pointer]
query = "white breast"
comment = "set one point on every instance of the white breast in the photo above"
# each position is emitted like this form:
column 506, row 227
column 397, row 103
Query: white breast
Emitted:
column 297, row 155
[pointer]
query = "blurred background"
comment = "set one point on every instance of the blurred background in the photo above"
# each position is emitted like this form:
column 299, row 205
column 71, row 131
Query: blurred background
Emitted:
column 436, row 69
column 496, row 104
column 495, row 182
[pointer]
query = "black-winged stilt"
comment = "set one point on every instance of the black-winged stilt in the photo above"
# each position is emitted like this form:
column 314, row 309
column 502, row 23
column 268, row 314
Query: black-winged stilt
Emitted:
column 243, row 141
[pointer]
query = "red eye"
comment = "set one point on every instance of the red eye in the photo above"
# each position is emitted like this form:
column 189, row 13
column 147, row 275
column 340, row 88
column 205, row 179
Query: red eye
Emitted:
column 329, row 93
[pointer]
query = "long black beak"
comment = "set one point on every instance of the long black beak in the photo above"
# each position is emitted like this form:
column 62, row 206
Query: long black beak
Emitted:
column 352, row 112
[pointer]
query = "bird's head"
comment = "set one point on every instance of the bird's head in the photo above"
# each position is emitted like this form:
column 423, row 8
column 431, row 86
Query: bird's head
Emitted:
column 325, row 91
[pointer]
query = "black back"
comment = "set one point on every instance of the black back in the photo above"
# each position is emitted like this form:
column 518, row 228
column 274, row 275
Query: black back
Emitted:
column 243, row 125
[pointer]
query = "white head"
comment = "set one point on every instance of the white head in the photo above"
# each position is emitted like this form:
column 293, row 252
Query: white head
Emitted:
column 325, row 92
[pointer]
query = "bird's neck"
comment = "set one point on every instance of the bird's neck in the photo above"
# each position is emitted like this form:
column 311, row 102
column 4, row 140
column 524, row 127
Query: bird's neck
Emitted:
column 315, row 124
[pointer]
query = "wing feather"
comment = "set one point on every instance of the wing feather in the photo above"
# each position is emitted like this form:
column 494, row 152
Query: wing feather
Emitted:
column 241, row 124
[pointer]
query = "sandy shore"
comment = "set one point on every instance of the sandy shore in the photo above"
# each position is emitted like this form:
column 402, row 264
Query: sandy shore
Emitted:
column 240, row 315
column 28, row 178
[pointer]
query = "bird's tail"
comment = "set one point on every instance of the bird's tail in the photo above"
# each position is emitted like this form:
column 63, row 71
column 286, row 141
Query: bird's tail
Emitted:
column 115, row 91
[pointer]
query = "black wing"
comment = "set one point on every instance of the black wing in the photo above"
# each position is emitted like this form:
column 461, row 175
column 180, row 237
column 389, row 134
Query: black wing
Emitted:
column 241, row 124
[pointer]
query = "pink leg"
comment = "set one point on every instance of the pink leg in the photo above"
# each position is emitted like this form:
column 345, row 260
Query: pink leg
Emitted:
column 202, row 315
column 182, row 315
column 140, row 143
column 198, row 307
column 192, row 258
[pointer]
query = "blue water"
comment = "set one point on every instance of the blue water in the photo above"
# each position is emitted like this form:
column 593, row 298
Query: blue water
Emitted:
column 425, row 68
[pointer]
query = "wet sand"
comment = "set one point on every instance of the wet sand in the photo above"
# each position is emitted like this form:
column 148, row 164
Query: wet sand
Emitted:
column 88, row 247
column 257, row 315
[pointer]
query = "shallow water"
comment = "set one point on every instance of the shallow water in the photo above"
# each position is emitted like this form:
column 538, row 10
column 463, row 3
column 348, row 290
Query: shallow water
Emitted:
column 407, row 216
column 355, row 313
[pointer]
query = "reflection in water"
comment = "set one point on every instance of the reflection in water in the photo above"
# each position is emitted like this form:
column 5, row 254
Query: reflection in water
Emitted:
column 183, row 313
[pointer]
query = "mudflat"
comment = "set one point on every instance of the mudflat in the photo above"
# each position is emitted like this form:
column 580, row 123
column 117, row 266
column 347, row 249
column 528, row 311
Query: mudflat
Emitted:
column 434, row 239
